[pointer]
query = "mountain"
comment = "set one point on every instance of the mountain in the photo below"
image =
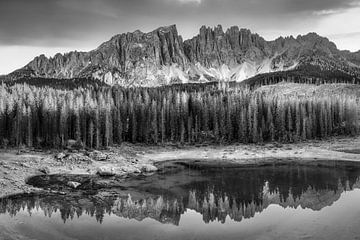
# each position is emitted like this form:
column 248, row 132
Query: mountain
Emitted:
column 162, row 57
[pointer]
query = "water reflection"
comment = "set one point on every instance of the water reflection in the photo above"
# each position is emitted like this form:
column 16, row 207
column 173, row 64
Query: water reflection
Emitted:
column 216, row 194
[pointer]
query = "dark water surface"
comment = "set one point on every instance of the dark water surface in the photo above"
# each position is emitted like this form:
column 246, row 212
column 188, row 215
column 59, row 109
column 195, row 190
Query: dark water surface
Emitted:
column 271, row 202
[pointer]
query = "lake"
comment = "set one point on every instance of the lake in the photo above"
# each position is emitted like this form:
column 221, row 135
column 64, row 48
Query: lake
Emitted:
column 181, row 202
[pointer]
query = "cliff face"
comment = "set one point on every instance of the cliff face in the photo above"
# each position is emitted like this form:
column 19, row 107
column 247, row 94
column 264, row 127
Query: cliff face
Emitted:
column 214, row 47
column 162, row 57
column 131, row 58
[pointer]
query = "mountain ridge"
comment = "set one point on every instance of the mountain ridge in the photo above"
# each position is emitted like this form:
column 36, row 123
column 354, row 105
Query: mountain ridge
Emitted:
column 162, row 57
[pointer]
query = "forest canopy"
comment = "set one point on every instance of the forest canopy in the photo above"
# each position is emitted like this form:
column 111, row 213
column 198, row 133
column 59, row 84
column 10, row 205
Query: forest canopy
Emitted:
column 102, row 116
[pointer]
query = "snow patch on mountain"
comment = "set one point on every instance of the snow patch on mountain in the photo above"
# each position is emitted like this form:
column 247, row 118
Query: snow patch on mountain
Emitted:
column 238, row 73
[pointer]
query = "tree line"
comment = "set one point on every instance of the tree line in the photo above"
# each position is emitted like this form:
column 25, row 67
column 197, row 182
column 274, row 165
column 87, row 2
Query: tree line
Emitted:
column 305, row 74
column 103, row 116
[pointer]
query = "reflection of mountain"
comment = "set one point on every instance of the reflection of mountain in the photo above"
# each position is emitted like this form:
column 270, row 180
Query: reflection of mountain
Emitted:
column 218, row 209
column 159, row 208
column 236, row 194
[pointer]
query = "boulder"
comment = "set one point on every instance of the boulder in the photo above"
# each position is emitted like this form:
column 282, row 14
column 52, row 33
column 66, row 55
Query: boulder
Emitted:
column 105, row 171
column 98, row 156
column 24, row 165
column 148, row 168
column 73, row 184
column 78, row 158
column 130, row 169
column 45, row 170
column 60, row 156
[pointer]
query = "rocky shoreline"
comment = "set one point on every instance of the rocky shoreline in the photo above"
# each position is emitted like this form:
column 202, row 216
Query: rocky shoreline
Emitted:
column 18, row 166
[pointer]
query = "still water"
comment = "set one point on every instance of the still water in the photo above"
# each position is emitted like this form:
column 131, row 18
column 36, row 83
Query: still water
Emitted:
column 272, row 202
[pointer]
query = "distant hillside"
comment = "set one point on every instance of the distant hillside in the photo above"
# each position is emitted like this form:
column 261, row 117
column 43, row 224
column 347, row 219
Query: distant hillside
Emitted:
column 305, row 74
column 308, row 90
column 58, row 83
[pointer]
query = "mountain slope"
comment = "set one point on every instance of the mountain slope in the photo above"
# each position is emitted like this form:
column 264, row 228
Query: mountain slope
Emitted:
column 305, row 73
column 162, row 57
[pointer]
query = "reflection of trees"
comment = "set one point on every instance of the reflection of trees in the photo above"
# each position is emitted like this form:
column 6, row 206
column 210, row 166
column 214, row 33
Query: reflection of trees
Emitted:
column 235, row 194
column 67, row 206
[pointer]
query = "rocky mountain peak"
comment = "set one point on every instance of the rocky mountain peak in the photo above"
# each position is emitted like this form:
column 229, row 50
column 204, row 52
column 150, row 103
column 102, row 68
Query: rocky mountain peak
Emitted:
column 171, row 28
column 162, row 57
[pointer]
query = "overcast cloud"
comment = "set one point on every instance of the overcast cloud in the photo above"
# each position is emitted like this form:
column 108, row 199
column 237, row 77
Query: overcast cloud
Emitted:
column 84, row 24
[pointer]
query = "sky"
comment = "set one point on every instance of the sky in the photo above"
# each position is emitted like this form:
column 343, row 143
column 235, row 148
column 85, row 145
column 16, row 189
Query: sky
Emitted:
column 29, row 28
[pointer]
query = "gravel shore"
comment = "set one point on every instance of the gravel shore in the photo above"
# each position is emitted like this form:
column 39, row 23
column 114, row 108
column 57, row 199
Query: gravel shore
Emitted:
column 17, row 166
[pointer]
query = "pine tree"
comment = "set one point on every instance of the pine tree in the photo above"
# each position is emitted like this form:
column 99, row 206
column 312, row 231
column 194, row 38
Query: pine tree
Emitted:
column 270, row 124
column 154, row 122
column 162, row 125
column 97, row 127
column 29, row 139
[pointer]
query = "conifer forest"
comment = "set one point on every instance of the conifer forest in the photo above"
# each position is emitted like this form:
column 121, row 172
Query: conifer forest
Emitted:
column 98, row 117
